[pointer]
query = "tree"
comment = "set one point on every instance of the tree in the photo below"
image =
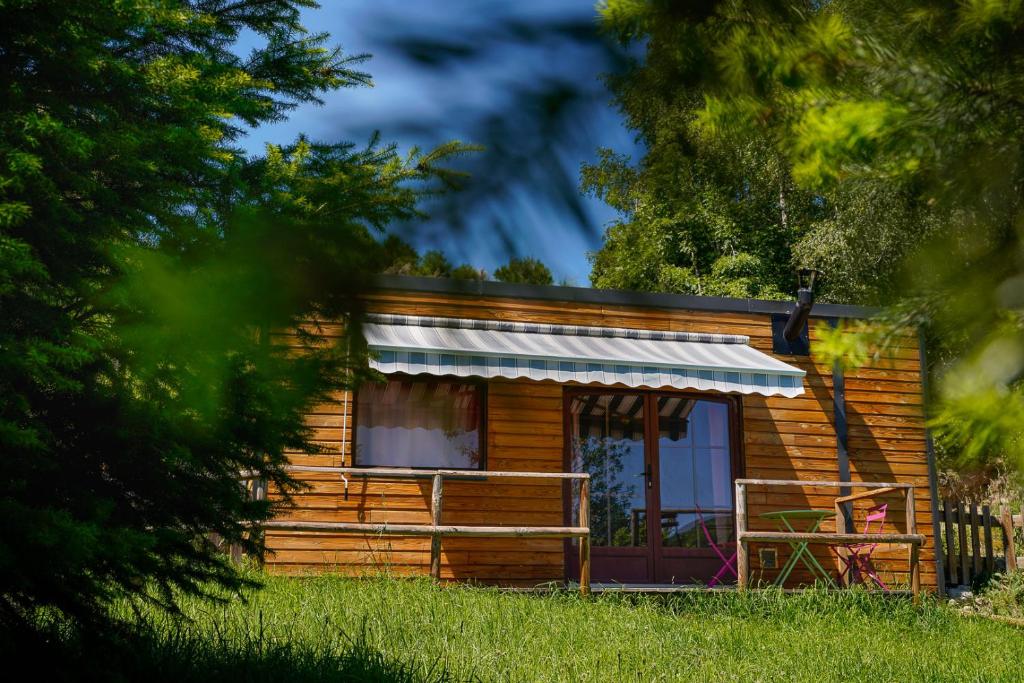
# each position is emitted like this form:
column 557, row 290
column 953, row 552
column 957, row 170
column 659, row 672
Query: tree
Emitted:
column 692, row 222
column 400, row 258
column 468, row 272
column 722, row 214
column 525, row 271
column 145, row 262
column 917, row 103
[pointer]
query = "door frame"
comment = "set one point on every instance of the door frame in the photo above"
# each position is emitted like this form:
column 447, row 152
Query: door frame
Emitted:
column 654, row 551
column 571, row 560
column 734, row 403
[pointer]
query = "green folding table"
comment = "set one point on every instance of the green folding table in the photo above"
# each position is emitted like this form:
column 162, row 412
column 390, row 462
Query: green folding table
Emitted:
column 784, row 519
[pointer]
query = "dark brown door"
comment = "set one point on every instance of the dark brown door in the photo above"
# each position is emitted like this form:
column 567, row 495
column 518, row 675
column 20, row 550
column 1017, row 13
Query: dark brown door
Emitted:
column 607, row 434
column 662, row 472
column 694, row 466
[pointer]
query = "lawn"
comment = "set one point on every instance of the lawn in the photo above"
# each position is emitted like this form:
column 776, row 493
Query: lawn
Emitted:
column 381, row 629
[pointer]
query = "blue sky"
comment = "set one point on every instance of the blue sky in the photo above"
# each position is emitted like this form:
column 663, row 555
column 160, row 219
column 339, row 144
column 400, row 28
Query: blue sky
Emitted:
column 522, row 78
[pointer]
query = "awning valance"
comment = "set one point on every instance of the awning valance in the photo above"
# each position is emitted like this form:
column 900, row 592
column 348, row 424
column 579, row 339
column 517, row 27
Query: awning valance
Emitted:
column 569, row 353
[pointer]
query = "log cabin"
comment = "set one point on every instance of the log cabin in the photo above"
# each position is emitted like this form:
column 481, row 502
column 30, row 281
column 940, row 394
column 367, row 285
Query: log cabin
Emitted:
column 682, row 417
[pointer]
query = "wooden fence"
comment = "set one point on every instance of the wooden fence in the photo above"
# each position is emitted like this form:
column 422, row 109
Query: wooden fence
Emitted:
column 435, row 529
column 979, row 540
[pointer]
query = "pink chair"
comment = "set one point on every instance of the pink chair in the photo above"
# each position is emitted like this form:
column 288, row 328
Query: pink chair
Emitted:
column 728, row 564
column 857, row 561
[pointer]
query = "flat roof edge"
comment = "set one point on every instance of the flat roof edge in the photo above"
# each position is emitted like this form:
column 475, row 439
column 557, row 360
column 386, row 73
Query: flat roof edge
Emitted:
column 613, row 297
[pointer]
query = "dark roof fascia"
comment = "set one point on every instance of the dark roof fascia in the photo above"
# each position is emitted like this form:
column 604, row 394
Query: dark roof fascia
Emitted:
column 611, row 297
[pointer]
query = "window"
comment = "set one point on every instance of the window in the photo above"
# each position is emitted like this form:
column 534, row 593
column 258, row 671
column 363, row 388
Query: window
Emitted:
column 408, row 422
column 608, row 443
column 691, row 462
column 696, row 473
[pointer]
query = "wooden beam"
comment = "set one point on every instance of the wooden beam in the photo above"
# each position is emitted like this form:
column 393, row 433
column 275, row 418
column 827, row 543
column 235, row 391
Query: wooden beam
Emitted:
column 915, row 549
column 975, row 543
column 866, row 494
column 915, row 571
column 742, row 547
column 428, row 529
column 828, row 539
column 412, row 473
column 961, row 521
column 436, row 496
column 823, row 484
column 845, row 577
column 947, row 514
column 585, row 539
column 911, row 512
column 1009, row 542
column 986, row 521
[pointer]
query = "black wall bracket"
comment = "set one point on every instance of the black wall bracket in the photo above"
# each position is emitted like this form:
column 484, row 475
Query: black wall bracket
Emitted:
column 801, row 346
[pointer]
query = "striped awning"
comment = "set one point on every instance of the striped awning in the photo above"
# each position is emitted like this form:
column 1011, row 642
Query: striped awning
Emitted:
column 568, row 353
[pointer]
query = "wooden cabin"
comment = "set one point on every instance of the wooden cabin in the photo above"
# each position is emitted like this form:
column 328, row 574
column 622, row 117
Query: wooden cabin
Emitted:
column 666, row 401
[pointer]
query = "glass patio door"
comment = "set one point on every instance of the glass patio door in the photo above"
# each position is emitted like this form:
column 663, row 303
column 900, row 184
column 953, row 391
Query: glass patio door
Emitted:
column 662, row 472
column 608, row 440
column 694, row 481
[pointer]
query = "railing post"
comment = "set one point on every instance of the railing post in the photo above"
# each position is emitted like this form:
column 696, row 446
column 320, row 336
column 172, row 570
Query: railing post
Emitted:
column 585, row 539
column 435, row 517
column 975, row 543
column 951, row 556
column 911, row 512
column 915, row 549
column 961, row 543
column 986, row 523
column 1009, row 542
column 742, row 557
column 915, row 571
column 841, row 555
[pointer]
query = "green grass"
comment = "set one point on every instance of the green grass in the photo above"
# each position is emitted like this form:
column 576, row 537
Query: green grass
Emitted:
column 379, row 629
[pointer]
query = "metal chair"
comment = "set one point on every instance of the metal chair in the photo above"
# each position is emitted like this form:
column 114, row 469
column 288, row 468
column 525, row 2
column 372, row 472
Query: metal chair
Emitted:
column 728, row 564
column 857, row 561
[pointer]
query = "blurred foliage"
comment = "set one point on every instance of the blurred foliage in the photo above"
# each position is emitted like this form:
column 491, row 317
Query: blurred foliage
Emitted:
column 526, row 270
column 535, row 117
column 917, row 103
column 143, row 260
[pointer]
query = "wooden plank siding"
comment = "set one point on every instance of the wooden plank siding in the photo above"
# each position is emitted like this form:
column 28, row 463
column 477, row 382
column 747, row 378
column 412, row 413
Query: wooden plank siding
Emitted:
column 781, row 439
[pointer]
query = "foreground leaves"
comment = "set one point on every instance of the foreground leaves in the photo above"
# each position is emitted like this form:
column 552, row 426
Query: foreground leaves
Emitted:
column 145, row 261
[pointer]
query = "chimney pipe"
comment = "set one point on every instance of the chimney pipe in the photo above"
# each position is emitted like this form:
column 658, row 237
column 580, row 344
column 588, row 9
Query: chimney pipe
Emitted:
column 804, row 303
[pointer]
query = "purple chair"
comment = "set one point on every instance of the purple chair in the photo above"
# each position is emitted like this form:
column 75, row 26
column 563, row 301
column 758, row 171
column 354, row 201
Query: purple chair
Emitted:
column 728, row 563
column 857, row 561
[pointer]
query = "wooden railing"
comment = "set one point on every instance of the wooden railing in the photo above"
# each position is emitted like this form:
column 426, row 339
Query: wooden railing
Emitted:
column 435, row 529
column 975, row 538
column 744, row 536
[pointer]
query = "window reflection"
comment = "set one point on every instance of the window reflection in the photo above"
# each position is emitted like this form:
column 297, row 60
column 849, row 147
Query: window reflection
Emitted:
column 608, row 443
column 406, row 422
column 696, row 472
column 696, row 499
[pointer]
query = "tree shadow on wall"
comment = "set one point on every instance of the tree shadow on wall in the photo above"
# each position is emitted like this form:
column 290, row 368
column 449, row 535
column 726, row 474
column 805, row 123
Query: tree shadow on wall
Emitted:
column 792, row 439
column 812, row 450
